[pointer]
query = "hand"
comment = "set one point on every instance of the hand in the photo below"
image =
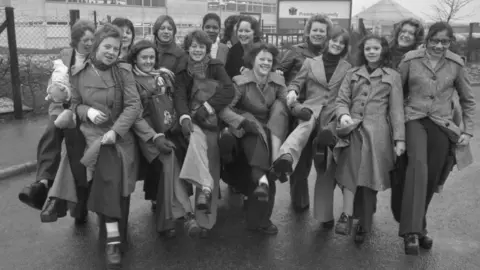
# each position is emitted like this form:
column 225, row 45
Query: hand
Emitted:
column 201, row 114
column 279, row 72
column 165, row 146
column 249, row 127
column 168, row 72
column 109, row 138
column 346, row 120
column 187, row 127
column 291, row 97
column 464, row 139
column 400, row 148
column 97, row 117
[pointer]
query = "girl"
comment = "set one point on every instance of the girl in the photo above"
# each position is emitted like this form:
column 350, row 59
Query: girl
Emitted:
column 128, row 36
column 259, row 124
column 160, row 143
column 211, row 25
column 203, row 89
column 371, row 131
column 433, row 74
column 107, row 103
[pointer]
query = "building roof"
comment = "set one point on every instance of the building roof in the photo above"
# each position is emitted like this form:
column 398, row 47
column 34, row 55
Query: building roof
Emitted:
column 385, row 12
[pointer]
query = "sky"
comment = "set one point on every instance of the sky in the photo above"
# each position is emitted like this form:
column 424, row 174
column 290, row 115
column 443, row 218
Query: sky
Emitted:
column 422, row 8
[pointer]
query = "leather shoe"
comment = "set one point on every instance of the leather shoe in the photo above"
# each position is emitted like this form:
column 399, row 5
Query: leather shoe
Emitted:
column 113, row 255
column 425, row 242
column 34, row 195
column 411, row 244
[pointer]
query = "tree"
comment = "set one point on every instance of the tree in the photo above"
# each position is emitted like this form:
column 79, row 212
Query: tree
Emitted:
column 448, row 10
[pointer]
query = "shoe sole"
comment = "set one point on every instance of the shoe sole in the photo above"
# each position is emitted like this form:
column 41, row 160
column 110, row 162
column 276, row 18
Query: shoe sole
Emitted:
column 49, row 218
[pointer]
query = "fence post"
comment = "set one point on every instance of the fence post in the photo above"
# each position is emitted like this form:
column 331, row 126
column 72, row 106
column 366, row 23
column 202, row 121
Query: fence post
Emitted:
column 74, row 16
column 14, row 70
column 95, row 18
column 470, row 43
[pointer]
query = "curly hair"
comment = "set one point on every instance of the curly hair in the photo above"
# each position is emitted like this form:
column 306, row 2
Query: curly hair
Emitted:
column 249, row 58
column 320, row 18
column 254, row 25
column 139, row 47
column 200, row 36
column 229, row 24
column 419, row 32
column 124, row 22
column 78, row 31
column 338, row 31
column 385, row 56
column 211, row 16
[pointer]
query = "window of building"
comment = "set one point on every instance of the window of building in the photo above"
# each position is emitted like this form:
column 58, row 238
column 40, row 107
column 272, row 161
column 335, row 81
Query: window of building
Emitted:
column 158, row 3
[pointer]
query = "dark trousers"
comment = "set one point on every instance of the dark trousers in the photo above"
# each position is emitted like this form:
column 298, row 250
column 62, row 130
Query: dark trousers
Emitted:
column 251, row 162
column 50, row 148
column 427, row 151
column 364, row 206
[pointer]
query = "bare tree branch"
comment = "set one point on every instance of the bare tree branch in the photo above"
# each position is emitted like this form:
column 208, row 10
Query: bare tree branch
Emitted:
column 448, row 10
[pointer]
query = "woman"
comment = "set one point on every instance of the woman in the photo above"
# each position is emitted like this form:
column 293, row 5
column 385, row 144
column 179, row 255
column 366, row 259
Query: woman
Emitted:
column 433, row 75
column 211, row 25
column 128, row 35
column 257, row 117
column 156, row 140
column 50, row 144
column 229, row 33
column 317, row 31
column 371, row 131
column 407, row 36
column 170, row 57
column 320, row 78
column 203, row 89
column 107, row 104
column 248, row 33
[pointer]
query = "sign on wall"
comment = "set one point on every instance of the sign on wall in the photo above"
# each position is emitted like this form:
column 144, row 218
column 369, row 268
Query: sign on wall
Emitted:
column 293, row 14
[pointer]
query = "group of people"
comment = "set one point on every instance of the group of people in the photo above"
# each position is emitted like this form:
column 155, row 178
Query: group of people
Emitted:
column 229, row 108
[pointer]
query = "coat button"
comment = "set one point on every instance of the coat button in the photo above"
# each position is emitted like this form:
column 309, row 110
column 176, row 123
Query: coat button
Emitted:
column 367, row 82
column 432, row 97
column 361, row 114
column 363, row 104
column 365, row 93
column 434, row 77
column 447, row 124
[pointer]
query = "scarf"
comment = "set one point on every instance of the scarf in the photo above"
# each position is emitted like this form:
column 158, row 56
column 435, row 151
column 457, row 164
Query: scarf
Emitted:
column 198, row 69
column 162, row 78
column 397, row 53
column 330, row 62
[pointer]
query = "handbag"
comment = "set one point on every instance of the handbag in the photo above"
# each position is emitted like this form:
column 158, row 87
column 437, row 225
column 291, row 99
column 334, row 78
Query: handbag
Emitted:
column 161, row 108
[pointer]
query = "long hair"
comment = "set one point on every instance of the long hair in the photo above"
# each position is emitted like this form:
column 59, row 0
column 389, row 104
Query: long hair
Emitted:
column 124, row 22
column 385, row 57
column 419, row 32
column 338, row 31
column 254, row 24
column 229, row 24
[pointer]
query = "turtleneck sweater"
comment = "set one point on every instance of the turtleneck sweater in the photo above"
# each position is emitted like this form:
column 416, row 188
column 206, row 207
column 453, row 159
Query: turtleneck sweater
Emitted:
column 397, row 53
column 330, row 63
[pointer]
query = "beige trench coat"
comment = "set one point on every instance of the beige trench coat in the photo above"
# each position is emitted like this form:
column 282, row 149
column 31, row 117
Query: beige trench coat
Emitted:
column 432, row 94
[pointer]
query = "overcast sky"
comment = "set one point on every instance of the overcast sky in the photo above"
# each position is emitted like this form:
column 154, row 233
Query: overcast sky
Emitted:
column 423, row 7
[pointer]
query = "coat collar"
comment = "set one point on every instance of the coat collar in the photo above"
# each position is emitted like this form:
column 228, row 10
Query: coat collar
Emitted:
column 302, row 48
column 385, row 73
column 249, row 77
column 318, row 70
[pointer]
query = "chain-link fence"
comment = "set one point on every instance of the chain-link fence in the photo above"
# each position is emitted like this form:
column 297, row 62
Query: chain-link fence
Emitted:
column 38, row 42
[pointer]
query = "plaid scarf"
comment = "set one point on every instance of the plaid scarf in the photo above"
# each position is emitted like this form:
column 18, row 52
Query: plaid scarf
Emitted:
column 198, row 69
column 162, row 77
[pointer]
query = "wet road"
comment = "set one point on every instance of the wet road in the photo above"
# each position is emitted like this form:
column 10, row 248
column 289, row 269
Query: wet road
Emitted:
column 453, row 222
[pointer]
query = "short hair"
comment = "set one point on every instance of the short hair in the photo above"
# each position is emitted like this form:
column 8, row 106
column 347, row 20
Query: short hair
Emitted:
column 320, row 18
column 229, row 24
column 160, row 20
column 108, row 30
column 439, row 27
column 200, row 36
column 140, row 46
column 211, row 16
column 338, row 31
column 254, row 24
column 419, row 31
column 78, row 31
column 124, row 22
column 249, row 58
column 385, row 57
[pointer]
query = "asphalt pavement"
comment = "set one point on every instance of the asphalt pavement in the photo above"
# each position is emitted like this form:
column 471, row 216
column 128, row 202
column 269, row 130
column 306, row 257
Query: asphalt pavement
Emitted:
column 453, row 222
